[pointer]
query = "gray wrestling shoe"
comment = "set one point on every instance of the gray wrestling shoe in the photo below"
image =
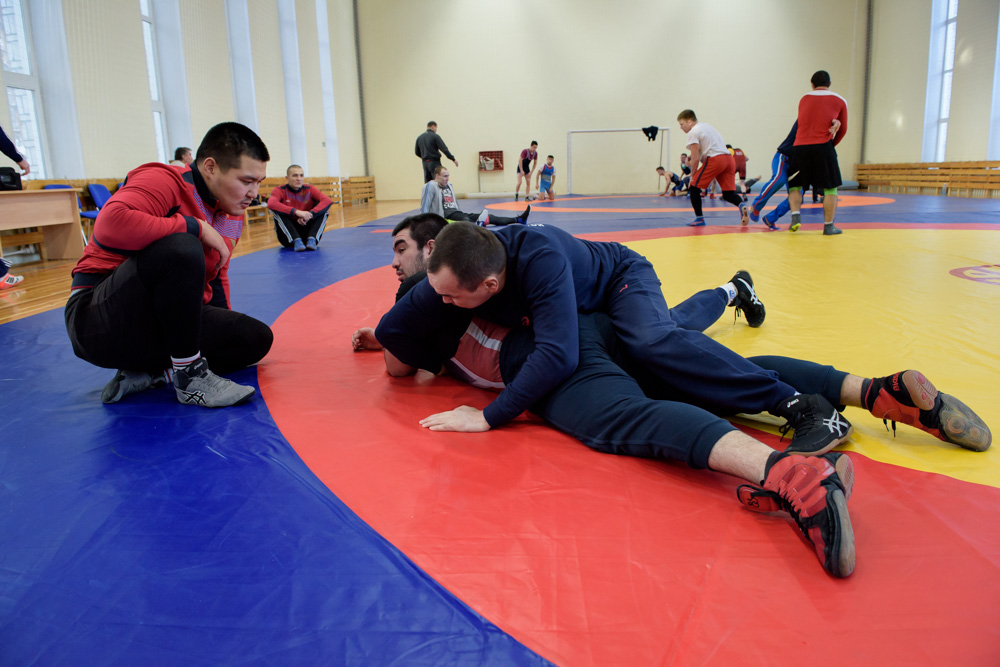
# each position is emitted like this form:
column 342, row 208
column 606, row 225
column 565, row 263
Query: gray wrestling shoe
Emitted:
column 130, row 382
column 197, row 385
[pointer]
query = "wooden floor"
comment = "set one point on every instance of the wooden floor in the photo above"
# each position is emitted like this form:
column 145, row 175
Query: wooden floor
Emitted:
column 46, row 284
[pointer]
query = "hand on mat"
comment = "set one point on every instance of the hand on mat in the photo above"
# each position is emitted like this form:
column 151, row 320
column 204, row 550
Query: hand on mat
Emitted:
column 364, row 339
column 212, row 239
column 464, row 419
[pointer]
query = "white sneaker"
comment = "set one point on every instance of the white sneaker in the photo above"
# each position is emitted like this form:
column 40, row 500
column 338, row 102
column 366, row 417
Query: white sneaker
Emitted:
column 196, row 385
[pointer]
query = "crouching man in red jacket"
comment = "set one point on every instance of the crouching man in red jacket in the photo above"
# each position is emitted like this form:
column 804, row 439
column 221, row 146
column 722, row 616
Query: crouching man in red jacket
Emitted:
column 150, row 295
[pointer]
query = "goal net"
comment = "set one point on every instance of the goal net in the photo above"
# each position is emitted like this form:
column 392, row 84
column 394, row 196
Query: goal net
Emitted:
column 623, row 161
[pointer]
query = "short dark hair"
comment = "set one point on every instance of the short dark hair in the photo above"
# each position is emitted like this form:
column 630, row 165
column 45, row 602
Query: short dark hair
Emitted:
column 684, row 154
column 471, row 252
column 292, row 166
column 552, row 156
column 431, row 123
column 227, row 143
column 661, row 168
column 820, row 79
column 687, row 114
column 423, row 227
column 729, row 145
column 180, row 152
column 534, row 143
column 438, row 169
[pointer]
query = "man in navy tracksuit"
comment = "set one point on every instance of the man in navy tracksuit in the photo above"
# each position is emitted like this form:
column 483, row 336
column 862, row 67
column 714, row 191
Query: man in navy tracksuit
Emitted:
column 544, row 276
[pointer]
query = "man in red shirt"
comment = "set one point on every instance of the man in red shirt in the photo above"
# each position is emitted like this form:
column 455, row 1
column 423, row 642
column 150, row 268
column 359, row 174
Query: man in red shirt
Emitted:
column 151, row 291
column 299, row 211
column 813, row 158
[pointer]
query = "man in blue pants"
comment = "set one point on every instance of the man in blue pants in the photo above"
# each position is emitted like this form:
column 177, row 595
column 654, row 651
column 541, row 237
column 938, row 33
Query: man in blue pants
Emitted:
column 615, row 406
column 544, row 276
column 779, row 179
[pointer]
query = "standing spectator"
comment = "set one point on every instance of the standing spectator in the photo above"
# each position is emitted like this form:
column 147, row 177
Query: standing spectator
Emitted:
column 299, row 210
column 708, row 148
column 525, row 167
column 429, row 148
column 182, row 157
column 813, row 158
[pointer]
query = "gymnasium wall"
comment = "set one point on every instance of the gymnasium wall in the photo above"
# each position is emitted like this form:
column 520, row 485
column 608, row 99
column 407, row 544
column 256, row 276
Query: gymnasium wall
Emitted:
column 107, row 57
column 898, row 86
column 901, row 37
column 972, row 91
column 497, row 75
column 206, row 65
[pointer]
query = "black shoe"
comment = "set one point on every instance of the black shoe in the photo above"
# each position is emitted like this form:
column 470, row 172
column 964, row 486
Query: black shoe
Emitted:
column 830, row 230
column 523, row 218
column 817, row 424
column 516, row 196
column 746, row 300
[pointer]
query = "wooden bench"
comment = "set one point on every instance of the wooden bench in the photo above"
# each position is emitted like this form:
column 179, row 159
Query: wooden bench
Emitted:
column 360, row 189
column 980, row 179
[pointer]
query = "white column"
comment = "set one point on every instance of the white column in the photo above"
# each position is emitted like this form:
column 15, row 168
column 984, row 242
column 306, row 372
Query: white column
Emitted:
column 292, row 71
column 55, row 83
column 173, row 76
column 935, row 69
column 326, row 88
column 241, row 63
column 993, row 151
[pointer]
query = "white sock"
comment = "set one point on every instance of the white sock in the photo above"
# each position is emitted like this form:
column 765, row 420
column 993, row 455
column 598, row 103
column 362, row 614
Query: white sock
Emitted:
column 731, row 291
column 182, row 363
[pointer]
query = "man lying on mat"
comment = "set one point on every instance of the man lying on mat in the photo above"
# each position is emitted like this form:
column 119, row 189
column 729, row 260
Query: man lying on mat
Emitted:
column 652, row 419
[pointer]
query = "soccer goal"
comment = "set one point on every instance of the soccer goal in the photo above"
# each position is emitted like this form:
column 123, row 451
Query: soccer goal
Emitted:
column 621, row 161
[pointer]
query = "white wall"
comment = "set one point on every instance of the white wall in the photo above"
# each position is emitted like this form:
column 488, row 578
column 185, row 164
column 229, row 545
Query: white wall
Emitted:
column 495, row 75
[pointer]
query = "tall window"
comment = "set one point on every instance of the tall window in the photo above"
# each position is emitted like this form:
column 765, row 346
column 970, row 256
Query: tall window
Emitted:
column 940, row 70
column 26, row 129
column 152, row 70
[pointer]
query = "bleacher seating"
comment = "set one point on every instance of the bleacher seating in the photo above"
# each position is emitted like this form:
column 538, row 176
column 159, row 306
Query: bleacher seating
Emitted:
column 358, row 189
column 955, row 179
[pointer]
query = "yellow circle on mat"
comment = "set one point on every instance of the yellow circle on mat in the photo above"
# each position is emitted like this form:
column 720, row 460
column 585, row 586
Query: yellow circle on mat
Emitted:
column 870, row 302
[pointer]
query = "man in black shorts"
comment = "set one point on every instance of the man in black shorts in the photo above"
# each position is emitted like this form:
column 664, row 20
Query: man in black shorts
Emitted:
column 813, row 158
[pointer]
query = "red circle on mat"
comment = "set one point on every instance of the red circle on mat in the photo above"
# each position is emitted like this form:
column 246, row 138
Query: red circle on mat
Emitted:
column 589, row 558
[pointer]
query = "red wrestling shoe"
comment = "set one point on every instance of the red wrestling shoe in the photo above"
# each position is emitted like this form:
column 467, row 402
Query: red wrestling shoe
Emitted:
column 910, row 398
column 814, row 490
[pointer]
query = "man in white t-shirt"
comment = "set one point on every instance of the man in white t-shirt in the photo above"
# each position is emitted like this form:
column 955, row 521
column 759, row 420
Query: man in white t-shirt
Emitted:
column 710, row 160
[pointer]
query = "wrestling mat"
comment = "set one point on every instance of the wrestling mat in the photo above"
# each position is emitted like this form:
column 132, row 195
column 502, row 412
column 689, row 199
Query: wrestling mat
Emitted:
column 321, row 524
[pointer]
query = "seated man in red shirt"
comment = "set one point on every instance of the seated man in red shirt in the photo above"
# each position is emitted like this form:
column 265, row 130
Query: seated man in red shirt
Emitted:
column 299, row 211
column 151, row 291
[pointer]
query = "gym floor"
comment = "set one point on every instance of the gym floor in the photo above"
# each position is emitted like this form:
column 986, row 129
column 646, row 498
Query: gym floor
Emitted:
column 320, row 524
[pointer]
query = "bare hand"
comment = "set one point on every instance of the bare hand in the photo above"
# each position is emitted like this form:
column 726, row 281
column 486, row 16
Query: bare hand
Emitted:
column 456, row 162
column 303, row 217
column 464, row 419
column 364, row 339
column 834, row 127
column 212, row 239
column 25, row 167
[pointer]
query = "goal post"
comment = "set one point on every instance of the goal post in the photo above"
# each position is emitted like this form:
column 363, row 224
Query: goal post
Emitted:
column 612, row 162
